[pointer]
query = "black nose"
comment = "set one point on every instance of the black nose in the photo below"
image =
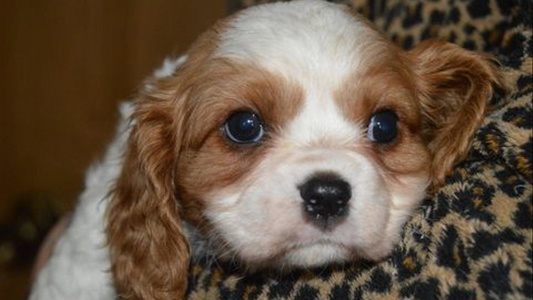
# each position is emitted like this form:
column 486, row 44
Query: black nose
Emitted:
column 325, row 197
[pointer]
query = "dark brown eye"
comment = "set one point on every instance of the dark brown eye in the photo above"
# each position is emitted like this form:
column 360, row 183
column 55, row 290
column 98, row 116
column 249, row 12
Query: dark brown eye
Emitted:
column 244, row 127
column 383, row 127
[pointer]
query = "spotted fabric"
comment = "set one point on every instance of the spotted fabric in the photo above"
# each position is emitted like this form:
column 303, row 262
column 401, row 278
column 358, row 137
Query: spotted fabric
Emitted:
column 473, row 238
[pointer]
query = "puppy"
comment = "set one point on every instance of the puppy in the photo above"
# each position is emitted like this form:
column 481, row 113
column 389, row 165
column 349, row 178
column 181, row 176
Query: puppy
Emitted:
column 291, row 135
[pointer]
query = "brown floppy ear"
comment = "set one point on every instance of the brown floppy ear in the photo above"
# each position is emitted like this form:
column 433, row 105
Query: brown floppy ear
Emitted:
column 455, row 87
column 149, row 251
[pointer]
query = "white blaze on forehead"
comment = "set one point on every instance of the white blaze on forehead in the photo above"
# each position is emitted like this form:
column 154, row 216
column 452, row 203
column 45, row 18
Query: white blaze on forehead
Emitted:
column 321, row 122
column 315, row 44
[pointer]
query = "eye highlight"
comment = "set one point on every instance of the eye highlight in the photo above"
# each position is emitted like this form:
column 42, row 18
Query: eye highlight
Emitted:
column 244, row 127
column 383, row 127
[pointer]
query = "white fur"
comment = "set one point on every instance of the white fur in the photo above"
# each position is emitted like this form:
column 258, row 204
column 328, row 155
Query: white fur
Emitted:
column 169, row 67
column 314, row 42
column 269, row 202
column 79, row 267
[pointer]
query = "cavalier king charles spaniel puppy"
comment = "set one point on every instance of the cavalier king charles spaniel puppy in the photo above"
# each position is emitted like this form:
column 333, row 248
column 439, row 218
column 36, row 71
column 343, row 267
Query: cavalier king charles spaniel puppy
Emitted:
column 290, row 135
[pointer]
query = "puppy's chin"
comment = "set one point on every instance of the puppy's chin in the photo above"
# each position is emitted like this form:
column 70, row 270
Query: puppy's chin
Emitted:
column 318, row 254
column 326, row 253
column 307, row 256
column 298, row 257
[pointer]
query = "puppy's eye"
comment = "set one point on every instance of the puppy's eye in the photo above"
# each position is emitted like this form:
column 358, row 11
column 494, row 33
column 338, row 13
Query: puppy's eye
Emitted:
column 383, row 127
column 244, row 127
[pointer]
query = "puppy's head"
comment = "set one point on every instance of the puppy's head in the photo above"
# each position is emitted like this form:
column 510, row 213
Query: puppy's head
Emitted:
column 294, row 135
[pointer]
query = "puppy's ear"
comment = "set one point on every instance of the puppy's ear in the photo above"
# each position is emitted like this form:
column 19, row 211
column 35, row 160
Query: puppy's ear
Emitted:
column 149, row 250
column 455, row 87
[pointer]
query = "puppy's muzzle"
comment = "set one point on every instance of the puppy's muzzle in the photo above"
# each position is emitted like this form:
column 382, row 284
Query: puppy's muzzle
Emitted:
column 325, row 199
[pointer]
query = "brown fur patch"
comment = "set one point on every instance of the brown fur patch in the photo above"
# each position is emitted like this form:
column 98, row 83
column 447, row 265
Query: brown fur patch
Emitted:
column 386, row 83
column 148, row 248
column 454, row 88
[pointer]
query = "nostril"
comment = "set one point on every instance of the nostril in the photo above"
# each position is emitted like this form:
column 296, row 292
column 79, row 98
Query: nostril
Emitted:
column 325, row 196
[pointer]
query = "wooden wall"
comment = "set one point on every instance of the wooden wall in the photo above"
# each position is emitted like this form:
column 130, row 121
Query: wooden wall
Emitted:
column 64, row 66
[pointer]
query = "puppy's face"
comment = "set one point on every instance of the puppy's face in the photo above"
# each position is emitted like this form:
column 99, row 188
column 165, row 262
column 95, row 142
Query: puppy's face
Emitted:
column 294, row 135
column 304, row 140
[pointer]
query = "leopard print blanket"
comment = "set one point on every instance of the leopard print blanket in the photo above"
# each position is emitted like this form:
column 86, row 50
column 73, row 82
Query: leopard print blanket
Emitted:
column 473, row 238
